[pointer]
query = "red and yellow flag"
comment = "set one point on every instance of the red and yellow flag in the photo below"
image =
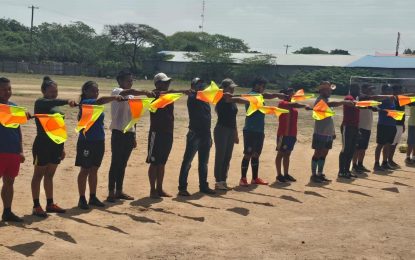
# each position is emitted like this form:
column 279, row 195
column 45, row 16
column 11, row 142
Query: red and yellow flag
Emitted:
column 255, row 102
column 300, row 96
column 368, row 103
column 54, row 126
column 321, row 111
column 12, row 116
column 90, row 114
column 395, row 114
column 273, row 110
column 164, row 100
column 405, row 100
column 137, row 107
column 211, row 94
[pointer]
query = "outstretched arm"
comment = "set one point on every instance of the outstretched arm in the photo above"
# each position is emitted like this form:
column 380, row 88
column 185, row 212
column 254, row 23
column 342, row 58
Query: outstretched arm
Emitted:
column 105, row 100
column 274, row 95
column 340, row 103
column 136, row 92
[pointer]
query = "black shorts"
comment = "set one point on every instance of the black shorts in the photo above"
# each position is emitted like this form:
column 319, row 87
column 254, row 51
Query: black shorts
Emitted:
column 89, row 153
column 286, row 143
column 45, row 151
column 159, row 147
column 322, row 142
column 364, row 137
column 253, row 142
column 385, row 134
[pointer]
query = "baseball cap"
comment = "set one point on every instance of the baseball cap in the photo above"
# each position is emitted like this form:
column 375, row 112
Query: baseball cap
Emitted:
column 161, row 77
column 227, row 83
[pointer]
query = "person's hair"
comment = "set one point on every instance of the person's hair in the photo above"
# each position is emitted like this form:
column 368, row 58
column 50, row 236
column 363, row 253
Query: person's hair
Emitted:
column 85, row 87
column 47, row 82
column 122, row 75
column 259, row 81
column 4, row 80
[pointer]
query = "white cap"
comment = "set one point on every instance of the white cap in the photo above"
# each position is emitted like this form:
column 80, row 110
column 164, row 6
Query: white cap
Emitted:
column 161, row 77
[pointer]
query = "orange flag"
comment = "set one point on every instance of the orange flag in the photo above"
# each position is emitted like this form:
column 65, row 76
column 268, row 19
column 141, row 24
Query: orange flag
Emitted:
column 164, row 100
column 90, row 114
column 300, row 96
column 368, row 103
column 321, row 111
column 395, row 114
column 255, row 102
column 54, row 126
column 12, row 116
column 211, row 94
column 137, row 107
column 273, row 110
column 405, row 100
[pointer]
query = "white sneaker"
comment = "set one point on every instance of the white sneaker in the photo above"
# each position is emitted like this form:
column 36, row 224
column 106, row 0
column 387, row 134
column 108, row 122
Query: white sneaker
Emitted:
column 220, row 186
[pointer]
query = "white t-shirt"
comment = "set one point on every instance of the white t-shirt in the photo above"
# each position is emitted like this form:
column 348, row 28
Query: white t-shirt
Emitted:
column 120, row 113
column 366, row 119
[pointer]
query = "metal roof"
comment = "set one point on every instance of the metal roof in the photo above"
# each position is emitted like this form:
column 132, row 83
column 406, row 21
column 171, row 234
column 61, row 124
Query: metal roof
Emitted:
column 391, row 62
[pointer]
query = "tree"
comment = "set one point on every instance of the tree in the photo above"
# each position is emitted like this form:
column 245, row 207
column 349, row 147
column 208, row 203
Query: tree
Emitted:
column 408, row 51
column 259, row 65
column 339, row 52
column 14, row 39
column 310, row 50
column 133, row 39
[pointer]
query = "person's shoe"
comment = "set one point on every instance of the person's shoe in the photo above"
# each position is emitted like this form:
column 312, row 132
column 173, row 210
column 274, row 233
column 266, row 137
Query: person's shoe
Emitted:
column 357, row 169
column 11, row 217
column 386, row 167
column 394, row 165
column 184, row 193
column 409, row 161
column 208, row 191
column 82, row 204
column 259, row 181
column 110, row 199
column 39, row 212
column 289, row 178
column 243, row 182
column 363, row 168
column 220, row 186
column 123, row 196
column 343, row 175
column 227, row 186
column 323, row 178
column 378, row 168
column 54, row 208
column 281, row 179
column 352, row 174
column 96, row 202
column 164, row 194
column 315, row 179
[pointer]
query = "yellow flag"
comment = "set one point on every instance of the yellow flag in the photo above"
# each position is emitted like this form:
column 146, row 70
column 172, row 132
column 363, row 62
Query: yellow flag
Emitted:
column 12, row 116
column 273, row 110
column 321, row 111
column 255, row 102
column 90, row 114
column 54, row 126
column 211, row 94
column 137, row 107
column 164, row 100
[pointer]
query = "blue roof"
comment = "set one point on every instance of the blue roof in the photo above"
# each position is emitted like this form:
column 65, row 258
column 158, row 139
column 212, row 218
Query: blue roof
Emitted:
column 390, row 62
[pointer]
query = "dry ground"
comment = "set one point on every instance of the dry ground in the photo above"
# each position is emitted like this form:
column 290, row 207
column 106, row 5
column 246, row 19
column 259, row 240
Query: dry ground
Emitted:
column 369, row 218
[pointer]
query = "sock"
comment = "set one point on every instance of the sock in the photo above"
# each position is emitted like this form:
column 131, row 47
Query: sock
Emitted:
column 320, row 165
column 49, row 202
column 244, row 167
column 7, row 211
column 92, row 195
column 254, row 166
column 36, row 203
column 314, row 161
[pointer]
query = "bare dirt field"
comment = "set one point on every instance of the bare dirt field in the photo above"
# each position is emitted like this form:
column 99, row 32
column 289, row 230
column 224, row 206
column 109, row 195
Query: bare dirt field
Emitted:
column 369, row 218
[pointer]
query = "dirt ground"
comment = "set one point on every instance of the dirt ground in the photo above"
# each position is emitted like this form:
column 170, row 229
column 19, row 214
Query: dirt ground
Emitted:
column 369, row 218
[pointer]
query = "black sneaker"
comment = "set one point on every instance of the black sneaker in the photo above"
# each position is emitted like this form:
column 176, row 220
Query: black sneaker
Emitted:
column 386, row 167
column 96, row 202
column 11, row 217
column 357, row 169
column 322, row 177
column 281, row 179
column 82, row 204
column 208, row 190
column 378, row 168
column 184, row 193
column 343, row 175
column 315, row 179
column 394, row 165
column 289, row 178
column 351, row 174
column 363, row 168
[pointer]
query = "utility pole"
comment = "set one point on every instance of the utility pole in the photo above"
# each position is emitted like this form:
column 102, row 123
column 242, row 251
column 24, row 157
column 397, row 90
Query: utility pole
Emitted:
column 286, row 48
column 203, row 16
column 397, row 44
column 31, row 30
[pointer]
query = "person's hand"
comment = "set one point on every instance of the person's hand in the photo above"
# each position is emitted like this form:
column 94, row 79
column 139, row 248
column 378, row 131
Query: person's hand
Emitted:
column 28, row 115
column 120, row 98
column 63, row 155
column 307, row 107
column 236, row 139
column 135, row 143
column 72, row 103
column 188, row 92
column 22, row 158
column 375, row 109
column 227, row 95
column 150, row 94
column 349, row 103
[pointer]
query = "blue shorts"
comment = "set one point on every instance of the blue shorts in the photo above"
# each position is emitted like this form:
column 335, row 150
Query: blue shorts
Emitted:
column 286, row 143
column 411, row 135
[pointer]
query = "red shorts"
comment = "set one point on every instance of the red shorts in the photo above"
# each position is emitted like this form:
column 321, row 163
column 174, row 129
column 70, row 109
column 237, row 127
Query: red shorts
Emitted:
column 9, row 164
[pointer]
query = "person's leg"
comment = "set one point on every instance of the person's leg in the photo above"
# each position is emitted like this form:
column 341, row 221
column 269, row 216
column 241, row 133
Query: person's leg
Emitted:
column 409, row 151
column 286, row 162
column 152, row 177
column 82, row 178
column 48, row 182
column 203, row 154
column 255, row 166
column 192, row 146
column 314, row 161
column 322, row 161
column 386, row 153
column 160, row 179
column 7, row 192
column 378, row 151
column 38, row 174
column 342, row 155
column 128, row 146
column 278, row 162
column 228, row 153
column 220, row 138
column 257, row 150
column 245, row 165
column 116, row 153
column 351, row 142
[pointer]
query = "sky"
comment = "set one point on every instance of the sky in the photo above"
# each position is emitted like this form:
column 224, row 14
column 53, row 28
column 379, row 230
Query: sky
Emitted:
column 360, row 26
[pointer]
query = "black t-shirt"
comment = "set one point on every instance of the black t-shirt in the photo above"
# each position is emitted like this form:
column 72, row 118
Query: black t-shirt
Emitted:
column 163, row 120
column 199, row 115
column 399, row 108
column 226, row 114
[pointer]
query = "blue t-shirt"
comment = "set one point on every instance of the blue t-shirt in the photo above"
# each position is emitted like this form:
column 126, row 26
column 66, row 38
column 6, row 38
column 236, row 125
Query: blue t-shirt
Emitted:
column 256, row 121
column 383, row 118
column 96, row 132
column 10, row 138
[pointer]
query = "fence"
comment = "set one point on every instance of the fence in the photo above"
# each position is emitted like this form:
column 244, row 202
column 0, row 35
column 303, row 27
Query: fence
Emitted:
column 54, row 68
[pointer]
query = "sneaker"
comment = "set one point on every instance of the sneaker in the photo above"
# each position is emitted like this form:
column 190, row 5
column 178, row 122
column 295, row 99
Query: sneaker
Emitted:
column 409, row 161
column 82, row 204
column 11, row 217
column 227, row 186
column 123, row 196
column 378, row 168
column 54, row 208
column 110, row 199
column 323, row 178
column 243, row 182
column 164, row 194
column 281, row 179
column 96, row 202
column 394, row 165
column 39, row 212
column 220, row 186
column 363, row 168
column 154, row 195
column 184, row 193
column 208, row 191
column 315, row 179
column 259, row 181
column 357, row 169
column 351, row 174
column 386, row 167
column 343, row 175
column 290, row 178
